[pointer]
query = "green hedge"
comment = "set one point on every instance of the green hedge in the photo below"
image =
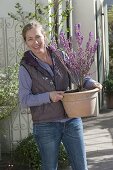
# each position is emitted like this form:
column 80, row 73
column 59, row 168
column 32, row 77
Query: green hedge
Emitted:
column 27, row 154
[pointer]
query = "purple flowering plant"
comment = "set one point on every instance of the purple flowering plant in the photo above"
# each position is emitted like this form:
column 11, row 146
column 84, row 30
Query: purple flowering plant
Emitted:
column 77, row 63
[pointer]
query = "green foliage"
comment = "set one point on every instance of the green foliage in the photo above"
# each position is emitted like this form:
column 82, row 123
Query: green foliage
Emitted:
column 24, row 17
column 110, row 27
column 63, row 158
column 27, row 153
column 108, row 85
column 42, row 14
column 8, row 90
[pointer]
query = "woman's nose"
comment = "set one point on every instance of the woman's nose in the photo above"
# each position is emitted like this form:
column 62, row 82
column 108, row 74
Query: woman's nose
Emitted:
column 36, row 41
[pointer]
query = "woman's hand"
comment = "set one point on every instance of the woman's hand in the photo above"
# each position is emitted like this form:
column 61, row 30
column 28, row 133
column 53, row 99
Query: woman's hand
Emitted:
column 97, row 85
column 55, row 96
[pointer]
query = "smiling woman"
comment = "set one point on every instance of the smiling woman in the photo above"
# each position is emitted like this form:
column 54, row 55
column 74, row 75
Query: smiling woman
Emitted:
column 42, row 82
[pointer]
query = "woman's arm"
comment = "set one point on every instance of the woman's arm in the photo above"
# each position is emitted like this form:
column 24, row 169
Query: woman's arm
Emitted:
column 89, row 83
column 26, row 97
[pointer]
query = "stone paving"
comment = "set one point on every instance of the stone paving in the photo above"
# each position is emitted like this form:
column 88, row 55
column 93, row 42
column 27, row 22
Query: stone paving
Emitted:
column 98, row 134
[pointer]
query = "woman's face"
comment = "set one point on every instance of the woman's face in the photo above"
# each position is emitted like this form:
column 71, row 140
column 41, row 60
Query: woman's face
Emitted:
column 35, row 40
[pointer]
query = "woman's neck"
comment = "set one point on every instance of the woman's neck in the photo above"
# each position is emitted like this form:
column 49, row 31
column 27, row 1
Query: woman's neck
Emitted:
column 44, row 56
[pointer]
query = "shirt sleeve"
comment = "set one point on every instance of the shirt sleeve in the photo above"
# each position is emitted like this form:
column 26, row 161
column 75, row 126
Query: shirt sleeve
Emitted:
column 89, row 83
column 26, row 97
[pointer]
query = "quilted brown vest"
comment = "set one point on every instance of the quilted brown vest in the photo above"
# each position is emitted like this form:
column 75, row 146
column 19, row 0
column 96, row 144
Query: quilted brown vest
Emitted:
column 43, row 82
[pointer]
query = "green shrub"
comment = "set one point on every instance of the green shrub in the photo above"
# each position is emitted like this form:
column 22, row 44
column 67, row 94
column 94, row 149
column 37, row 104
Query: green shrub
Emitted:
column 27, row 153
column 108, row 85
column 63, row 158
column 8, row 90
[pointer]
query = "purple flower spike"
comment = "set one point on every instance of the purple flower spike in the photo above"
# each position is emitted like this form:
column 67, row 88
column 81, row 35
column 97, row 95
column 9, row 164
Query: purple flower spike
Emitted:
column 77, row 26
column 91, row 34
column 77, row 63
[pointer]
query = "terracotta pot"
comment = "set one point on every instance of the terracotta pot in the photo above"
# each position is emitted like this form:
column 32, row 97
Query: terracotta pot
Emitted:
column 109, row 101
column 80, row 104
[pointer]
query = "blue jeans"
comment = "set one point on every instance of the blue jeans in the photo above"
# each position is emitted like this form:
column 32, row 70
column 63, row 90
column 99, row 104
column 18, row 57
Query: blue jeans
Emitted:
column 49, row 136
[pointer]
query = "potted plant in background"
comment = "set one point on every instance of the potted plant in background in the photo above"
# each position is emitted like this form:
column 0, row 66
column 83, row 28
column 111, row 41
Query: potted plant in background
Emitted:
column 78, row 64
column 108, row 90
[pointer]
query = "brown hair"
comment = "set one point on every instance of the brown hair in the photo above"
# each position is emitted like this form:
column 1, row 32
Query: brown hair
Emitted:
column 29, row 26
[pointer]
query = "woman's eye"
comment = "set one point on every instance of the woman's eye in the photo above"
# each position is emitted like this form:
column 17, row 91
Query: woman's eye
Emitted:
column 38, row 36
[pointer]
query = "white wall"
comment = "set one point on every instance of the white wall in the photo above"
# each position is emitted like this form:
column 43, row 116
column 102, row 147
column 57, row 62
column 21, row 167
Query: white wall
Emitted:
column 84, row 13
column 8, row 6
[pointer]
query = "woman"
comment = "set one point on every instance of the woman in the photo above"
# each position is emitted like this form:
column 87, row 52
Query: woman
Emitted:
column 42, row 82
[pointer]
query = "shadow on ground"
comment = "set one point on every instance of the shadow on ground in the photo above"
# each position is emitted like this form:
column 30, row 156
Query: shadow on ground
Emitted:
column 103, row 121
column 102, row 160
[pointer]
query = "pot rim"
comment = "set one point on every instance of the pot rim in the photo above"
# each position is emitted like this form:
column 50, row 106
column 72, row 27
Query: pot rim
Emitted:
column 86, row 91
